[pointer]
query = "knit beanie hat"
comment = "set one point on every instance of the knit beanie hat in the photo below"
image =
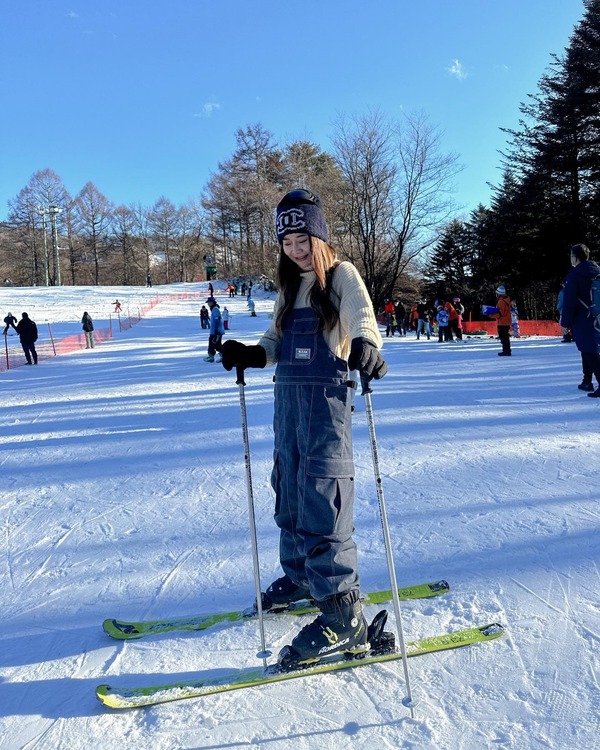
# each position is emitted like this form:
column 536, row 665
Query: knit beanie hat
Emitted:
column 300, row 211
column 501, row 289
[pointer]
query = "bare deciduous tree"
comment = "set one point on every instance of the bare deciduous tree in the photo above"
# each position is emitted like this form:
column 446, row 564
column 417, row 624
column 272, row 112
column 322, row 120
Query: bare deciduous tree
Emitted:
column 28, row 212
column 92, row 216
column 396, row 194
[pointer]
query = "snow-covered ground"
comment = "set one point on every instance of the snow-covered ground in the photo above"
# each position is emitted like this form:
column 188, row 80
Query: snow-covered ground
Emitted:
column 123, row 494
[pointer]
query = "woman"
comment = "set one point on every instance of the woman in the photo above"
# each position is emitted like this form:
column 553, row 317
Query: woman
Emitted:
column 323, row 326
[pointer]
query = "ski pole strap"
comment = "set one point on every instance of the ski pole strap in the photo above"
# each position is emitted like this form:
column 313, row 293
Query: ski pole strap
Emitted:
column 366, row 384
column 240, row 375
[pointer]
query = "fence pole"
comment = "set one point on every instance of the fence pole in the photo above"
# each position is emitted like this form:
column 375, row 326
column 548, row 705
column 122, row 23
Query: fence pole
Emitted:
column 51, row 338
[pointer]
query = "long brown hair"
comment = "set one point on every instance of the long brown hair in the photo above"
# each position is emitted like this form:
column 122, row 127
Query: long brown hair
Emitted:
column 288, row 282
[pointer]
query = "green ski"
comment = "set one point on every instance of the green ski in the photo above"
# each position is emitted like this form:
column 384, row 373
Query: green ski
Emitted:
column 134, row 697
column 123, row 630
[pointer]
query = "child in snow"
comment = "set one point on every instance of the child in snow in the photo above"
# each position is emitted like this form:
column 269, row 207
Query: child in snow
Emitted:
column 514, row 320
column 323, row 326
column 443, row 321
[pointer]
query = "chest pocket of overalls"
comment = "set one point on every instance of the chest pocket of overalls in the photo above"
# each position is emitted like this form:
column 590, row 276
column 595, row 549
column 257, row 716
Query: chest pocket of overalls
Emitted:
column 299, row 345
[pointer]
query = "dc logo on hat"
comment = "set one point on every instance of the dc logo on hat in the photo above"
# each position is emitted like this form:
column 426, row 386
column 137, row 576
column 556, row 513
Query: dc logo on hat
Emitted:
column 291, row 220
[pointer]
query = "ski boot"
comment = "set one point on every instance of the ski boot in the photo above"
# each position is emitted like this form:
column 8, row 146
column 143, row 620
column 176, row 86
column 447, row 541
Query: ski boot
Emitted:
column 586, row 385
column 341, row 628
column 283, row 592
column 210, row 358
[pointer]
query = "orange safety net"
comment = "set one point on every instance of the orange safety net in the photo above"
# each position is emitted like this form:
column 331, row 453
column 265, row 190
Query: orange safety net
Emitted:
column 526, row 327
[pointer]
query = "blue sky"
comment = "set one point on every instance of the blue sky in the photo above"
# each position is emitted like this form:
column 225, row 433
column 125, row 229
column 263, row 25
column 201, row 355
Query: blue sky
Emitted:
column 143, row 98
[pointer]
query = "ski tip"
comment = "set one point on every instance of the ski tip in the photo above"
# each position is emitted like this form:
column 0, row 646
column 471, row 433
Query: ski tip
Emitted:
column 116, row 699
column 103, row 694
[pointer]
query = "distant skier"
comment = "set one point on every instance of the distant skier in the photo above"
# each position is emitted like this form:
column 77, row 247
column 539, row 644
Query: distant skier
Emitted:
column 9, row 322
column 117, row 305
column 88, row 328
column 216, row 332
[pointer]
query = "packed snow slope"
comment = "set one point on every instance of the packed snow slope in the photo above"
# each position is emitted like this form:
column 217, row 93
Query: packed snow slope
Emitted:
column 123, row 494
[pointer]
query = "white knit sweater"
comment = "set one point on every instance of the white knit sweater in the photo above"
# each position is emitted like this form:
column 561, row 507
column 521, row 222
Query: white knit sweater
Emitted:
column 350, row 296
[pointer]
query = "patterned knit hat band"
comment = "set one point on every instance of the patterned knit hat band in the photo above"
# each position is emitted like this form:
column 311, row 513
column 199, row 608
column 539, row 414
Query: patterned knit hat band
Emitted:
column 299, row 211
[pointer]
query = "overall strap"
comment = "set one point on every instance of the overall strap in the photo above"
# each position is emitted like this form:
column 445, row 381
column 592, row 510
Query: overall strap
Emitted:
column 330, row 291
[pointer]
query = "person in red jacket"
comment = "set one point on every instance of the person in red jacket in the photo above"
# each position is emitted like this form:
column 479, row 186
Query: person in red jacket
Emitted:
column 503, row 318
column 452, row 322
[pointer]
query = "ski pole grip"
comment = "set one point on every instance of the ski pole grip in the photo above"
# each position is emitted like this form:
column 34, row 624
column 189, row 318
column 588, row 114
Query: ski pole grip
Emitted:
column 366, row 384
column 239, row 370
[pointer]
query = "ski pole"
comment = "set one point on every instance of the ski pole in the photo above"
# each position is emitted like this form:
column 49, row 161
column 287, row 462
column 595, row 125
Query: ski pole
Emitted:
column 264, row 653
column 366, row 392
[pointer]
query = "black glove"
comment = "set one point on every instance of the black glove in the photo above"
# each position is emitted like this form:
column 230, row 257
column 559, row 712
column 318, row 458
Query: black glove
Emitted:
column 365, row 358
column 234, row 354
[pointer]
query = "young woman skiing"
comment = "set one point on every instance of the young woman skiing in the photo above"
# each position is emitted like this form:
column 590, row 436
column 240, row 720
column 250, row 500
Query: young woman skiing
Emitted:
column 323, row 327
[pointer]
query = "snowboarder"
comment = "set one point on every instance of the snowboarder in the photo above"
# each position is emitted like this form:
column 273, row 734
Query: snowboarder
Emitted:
column 323, row 326
column 204, row 317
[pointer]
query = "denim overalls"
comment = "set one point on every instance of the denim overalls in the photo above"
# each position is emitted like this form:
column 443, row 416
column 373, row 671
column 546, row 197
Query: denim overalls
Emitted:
column 313, row 475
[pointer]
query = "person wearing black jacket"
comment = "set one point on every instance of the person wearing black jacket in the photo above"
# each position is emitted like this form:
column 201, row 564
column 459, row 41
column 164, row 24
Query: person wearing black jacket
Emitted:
column 28, row 334
column 400, row 311
column 576, row 316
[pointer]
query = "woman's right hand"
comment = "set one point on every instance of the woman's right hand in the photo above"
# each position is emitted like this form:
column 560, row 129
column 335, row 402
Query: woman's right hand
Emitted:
column 236, row 354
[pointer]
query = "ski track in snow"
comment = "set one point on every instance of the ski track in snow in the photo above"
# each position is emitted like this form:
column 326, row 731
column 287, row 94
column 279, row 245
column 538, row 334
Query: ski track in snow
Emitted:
column 123, row 494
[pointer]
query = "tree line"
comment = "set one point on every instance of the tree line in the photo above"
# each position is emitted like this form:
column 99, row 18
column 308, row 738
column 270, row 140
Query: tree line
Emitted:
column 386, row 189
column 549, row 195
column 387, row 192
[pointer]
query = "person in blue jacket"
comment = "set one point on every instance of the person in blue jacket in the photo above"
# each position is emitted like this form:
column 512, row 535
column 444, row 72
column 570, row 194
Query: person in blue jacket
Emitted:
column 575, row 315
column 217, row 329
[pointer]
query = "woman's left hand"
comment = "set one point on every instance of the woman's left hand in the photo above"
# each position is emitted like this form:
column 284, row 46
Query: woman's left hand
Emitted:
column 365, row 357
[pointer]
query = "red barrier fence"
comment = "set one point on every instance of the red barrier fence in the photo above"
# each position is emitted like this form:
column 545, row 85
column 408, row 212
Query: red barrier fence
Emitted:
column 14, row 356
column 526, row 327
